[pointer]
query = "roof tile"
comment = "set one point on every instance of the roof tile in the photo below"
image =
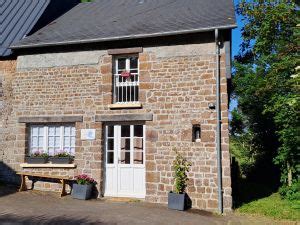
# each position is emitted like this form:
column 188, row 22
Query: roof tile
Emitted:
column 103, row 20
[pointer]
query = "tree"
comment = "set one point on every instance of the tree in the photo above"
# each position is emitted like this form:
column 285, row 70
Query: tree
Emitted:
column 265, row 83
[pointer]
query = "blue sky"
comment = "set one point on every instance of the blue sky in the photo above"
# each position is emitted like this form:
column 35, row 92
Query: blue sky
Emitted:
column 236, row 41
column 236, row 34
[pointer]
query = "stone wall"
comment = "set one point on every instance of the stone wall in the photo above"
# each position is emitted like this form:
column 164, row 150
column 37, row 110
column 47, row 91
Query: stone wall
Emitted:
column 177, row 83
column 7, row 130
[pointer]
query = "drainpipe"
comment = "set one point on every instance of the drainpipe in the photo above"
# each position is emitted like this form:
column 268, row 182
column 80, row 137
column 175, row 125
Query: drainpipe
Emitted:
column 218, row 130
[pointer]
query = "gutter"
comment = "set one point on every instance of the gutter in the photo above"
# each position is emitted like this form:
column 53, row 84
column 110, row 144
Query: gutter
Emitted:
column 128, row 37
column 219, row 121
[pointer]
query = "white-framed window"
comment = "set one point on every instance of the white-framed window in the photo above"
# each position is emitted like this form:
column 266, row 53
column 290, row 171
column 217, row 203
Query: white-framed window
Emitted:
column 52, row 139
column 126, row 79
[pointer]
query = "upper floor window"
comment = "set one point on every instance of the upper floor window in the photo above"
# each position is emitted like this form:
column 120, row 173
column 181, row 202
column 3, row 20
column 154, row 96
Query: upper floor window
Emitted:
column 126, row 79
column 52, row 139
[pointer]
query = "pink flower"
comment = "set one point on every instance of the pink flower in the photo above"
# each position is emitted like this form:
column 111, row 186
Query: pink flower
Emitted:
column 84, row 179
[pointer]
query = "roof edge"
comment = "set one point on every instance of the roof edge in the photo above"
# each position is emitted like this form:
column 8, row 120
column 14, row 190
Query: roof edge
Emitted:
column 86, row 41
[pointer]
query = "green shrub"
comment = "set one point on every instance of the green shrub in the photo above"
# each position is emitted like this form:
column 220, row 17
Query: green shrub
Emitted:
column 181, row 167
column 290, row 192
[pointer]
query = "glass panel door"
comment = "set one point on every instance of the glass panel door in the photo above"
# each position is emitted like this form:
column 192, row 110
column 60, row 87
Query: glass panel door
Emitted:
column 125, row 164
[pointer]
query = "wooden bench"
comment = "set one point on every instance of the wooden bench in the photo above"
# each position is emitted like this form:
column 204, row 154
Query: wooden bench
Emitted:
column 62, row 179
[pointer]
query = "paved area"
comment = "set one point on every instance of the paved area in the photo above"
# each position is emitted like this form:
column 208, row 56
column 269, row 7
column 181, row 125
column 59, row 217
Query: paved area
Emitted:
column 33, row 207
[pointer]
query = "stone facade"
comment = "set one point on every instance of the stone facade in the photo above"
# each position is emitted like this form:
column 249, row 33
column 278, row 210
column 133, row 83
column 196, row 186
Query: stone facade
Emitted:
column 177, row 83
column 7, row 130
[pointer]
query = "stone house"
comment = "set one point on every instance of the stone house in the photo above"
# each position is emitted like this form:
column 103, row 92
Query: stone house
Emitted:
column 120, row 85
column 20, row 19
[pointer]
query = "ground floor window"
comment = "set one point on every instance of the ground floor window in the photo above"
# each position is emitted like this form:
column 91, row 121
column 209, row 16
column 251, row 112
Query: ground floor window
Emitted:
column 52, row 139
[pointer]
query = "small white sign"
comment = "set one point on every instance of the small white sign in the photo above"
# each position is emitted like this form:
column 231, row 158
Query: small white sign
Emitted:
column 88, row 134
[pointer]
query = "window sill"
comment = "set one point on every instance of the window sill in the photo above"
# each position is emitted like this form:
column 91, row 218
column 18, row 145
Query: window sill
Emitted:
column 47, row 165
column 125, row 105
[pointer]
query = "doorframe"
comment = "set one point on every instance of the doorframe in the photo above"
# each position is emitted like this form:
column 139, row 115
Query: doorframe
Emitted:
column 143, row 123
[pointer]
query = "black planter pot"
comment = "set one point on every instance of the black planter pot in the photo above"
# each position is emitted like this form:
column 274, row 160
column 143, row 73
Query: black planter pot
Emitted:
column 82, row 192
column 60, row 160
column 179, row 201
column 36, row 160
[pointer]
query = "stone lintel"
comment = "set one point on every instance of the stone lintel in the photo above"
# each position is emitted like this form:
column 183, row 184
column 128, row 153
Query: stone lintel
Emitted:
column 124, row 117
column 120, row 51
column 51, row 119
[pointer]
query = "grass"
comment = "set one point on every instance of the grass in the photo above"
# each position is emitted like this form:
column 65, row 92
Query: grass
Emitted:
column 274, row 207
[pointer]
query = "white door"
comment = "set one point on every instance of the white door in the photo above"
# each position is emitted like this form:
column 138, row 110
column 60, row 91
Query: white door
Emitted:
column 125, row 161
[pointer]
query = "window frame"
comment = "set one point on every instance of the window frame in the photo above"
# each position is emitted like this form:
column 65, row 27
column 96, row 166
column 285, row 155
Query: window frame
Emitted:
column 125, row 83
column 117, row 139
column 45, row 147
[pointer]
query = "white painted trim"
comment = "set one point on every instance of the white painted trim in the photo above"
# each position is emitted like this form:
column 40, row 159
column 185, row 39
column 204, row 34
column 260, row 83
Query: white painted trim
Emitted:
column 46, row 137
column 125, row 84
column 112, row 181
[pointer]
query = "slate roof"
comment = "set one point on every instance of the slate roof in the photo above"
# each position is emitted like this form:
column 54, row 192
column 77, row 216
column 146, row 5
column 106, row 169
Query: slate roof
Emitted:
column 107, row 20
column 17, row 19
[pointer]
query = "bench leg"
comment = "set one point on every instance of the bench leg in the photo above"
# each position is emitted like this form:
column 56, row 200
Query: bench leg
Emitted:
column 63, row 190
column 23, row 186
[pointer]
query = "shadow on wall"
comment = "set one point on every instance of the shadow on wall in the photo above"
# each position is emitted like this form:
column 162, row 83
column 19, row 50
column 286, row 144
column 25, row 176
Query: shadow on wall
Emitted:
column 8, row 175
column 69, row 186
column 8, row 180
column 46, row 219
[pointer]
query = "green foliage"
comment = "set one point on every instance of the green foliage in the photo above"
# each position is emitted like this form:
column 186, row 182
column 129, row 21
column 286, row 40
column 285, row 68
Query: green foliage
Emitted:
column 286, row 117
column 82, row 1
column 274, row 207
column 244, row 152
column 292, row 192
column 181, row 168
column 237, row 123
column 265, row 83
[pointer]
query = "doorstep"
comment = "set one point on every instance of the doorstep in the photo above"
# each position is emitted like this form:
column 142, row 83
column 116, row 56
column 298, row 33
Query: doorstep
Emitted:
column 122, row 199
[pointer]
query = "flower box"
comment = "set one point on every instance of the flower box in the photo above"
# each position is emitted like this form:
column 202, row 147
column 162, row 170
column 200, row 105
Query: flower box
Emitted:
column 60, row 160
column 82, row 191
column 36, row 160
column 83, row 188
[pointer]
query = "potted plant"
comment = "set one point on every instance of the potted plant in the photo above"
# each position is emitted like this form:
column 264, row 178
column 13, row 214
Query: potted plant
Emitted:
column 83, row 188
column 61, row 157
column 37, row 157
column 179, row 199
